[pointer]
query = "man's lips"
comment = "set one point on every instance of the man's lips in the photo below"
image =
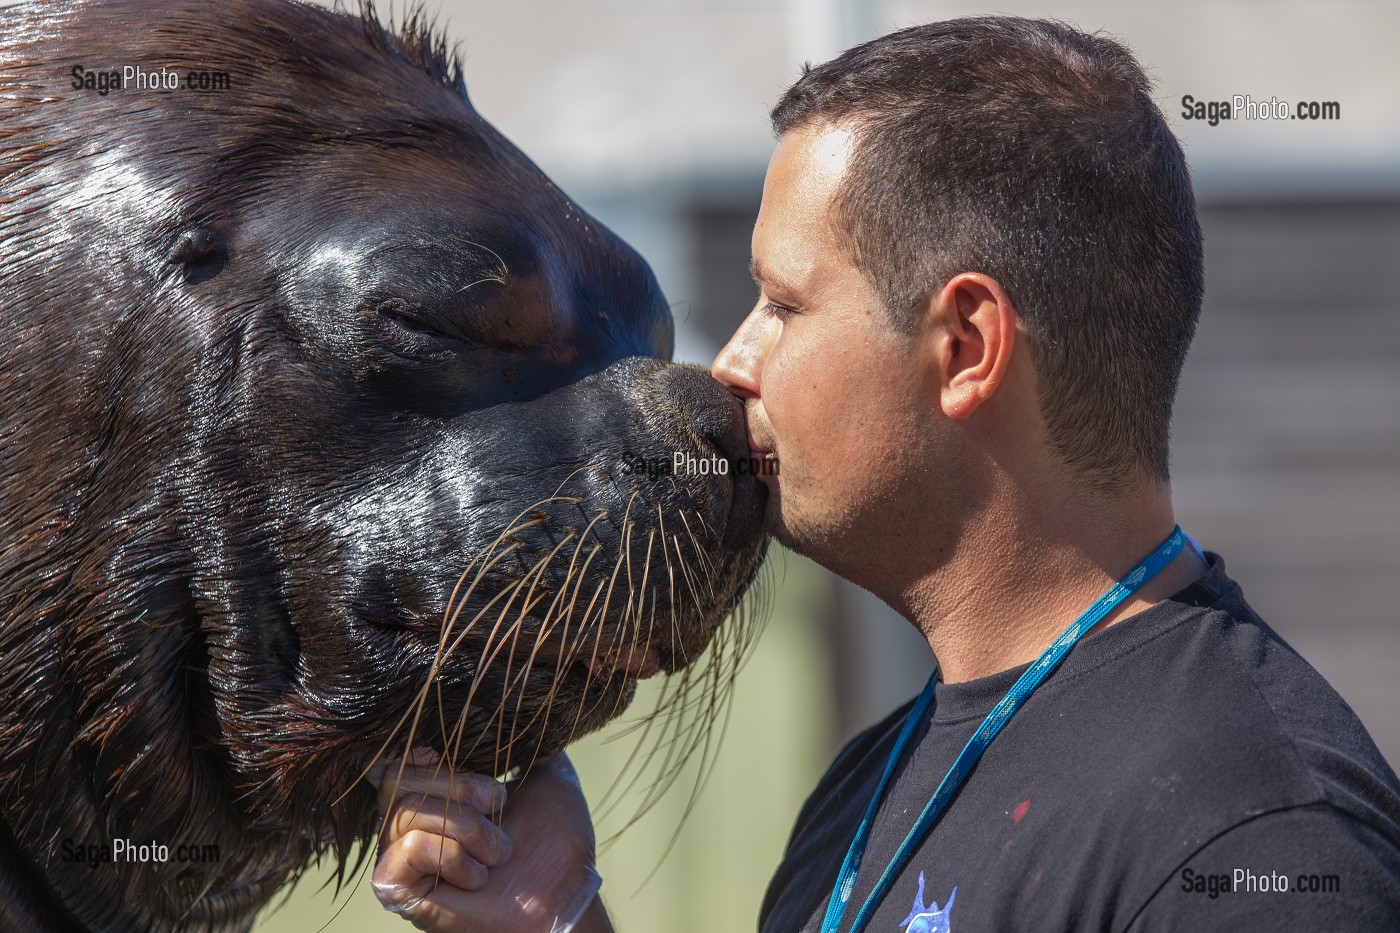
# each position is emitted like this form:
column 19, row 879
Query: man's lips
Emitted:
column 758, row 450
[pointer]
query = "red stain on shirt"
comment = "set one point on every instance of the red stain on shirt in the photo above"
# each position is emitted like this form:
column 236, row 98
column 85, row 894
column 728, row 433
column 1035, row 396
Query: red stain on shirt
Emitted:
column 1017, row 815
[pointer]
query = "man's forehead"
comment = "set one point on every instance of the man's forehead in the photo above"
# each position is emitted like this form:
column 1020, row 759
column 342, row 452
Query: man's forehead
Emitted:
column 818, row 152
column 805, row 172
column 795, row 228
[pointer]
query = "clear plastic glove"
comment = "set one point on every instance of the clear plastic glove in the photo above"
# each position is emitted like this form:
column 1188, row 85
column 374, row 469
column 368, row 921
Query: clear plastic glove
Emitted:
column 468, row 854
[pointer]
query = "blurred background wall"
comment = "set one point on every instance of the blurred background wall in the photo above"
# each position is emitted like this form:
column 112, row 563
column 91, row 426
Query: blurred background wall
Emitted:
column 653, row 115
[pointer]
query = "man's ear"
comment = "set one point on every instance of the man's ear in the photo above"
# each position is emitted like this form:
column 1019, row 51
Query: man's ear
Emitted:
column 972, row 328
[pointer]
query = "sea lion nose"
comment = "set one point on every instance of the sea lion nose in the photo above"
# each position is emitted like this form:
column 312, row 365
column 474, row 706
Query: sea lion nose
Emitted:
column 717, row 418
column 716, row 415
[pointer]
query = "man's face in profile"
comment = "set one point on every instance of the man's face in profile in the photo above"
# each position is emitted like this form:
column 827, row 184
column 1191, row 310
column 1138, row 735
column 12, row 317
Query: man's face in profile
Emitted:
column 831, row 387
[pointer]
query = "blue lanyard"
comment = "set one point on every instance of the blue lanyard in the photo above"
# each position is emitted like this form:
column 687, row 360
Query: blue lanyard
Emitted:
column 1000, row 715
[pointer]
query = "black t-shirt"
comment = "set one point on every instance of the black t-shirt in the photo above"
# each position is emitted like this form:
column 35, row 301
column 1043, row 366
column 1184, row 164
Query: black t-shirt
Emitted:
column 1176, row 771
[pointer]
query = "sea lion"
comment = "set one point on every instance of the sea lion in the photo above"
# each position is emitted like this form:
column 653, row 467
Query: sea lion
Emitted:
column 322, row 412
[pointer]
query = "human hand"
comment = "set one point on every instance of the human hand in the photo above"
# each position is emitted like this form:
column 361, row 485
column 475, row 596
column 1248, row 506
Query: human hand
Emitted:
column 460, row 852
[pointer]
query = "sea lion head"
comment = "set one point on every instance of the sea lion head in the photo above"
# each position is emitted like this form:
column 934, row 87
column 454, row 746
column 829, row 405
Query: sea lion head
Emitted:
column 331, row 426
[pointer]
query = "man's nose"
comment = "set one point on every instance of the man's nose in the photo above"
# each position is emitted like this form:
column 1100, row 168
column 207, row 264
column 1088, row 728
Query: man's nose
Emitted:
column 739, row 365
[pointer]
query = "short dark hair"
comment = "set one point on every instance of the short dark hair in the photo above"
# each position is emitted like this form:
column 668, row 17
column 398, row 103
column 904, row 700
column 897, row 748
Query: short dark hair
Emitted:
column 1033, row 153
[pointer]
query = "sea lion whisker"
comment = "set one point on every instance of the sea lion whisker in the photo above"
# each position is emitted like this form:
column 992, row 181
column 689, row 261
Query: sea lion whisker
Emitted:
column 415, row 709
column 623, row 558
column 542, row 713
column 680, row 563
column 608, row 803
column 510, row 528
column 651, row 618
column 576, row 500
column 495, row 646
column 690, row 588
column 561, row 656
column 704, row 558
column 583, row 626
column 679, row 751
column 504, row 275
column 549, row 623
column 627, row 544
column 644, row 726
column 547, row 626
column 471, row 285
column 673, row 631
column 486, row 661
column 706, row 771
column 515, row 718
column 682, row 722
column 528, row 604
column 513, row 591
column 445, row 650
column 481, row 555
column 569, row 648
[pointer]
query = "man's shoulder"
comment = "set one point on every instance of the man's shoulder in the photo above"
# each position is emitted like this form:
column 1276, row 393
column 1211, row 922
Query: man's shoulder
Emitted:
column 1195, row 724
column 1204, row 719
column 1221, row 700
column 1246, row 878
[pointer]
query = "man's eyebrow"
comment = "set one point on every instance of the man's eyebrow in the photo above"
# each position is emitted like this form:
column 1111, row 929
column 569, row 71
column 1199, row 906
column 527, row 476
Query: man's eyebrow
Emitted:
column 761, row 277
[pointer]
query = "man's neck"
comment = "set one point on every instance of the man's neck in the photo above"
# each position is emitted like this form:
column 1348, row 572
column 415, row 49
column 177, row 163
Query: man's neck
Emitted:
column 1011, row 588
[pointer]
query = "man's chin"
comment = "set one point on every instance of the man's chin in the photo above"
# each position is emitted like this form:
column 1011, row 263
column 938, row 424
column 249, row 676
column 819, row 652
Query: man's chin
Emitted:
column 776, row 524
column 821, row 543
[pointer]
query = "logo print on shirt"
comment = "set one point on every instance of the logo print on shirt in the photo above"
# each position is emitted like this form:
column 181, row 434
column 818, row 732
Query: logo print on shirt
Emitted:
column 928, row 919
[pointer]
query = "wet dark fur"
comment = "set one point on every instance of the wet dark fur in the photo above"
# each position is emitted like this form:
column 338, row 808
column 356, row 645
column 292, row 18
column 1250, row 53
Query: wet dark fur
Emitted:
column 280, row 364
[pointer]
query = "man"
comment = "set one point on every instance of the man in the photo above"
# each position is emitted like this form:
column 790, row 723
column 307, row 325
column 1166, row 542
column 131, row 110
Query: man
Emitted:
column 980, row 270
